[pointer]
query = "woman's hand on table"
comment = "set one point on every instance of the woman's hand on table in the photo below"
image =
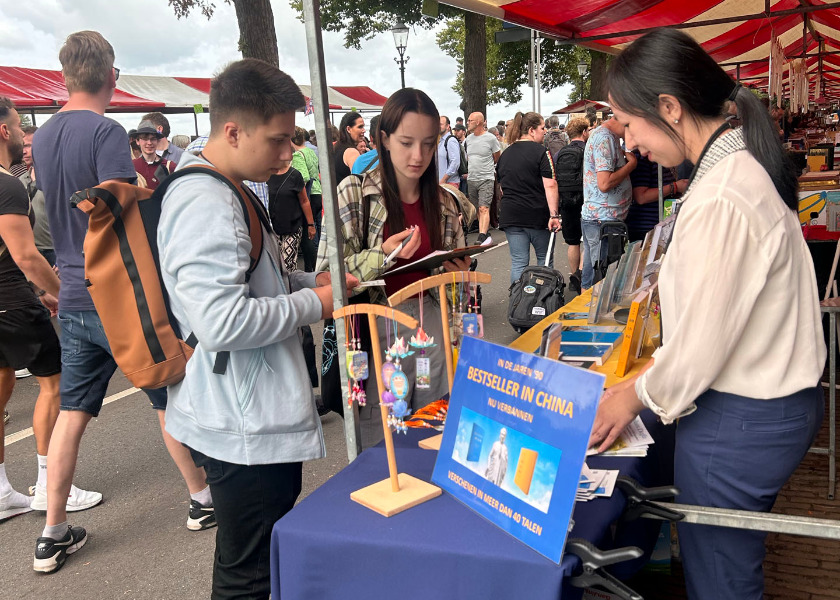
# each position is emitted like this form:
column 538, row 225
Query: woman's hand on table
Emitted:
column 618, row 407
column 457, row 264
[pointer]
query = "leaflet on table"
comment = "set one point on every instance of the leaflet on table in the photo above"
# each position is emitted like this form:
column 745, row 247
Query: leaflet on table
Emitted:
column 596, row 483
column 633, row 441
column 581, row 335
column 515, row 439
column 437, row 258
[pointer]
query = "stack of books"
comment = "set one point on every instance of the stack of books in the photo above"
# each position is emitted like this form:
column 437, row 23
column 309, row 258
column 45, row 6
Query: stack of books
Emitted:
column 589, row 344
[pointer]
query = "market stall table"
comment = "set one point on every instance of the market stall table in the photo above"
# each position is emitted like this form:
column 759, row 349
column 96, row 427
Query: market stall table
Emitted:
column 331, row 547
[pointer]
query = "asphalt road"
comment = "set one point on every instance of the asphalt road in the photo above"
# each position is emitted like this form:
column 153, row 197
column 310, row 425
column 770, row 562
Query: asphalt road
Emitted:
column 138, row 545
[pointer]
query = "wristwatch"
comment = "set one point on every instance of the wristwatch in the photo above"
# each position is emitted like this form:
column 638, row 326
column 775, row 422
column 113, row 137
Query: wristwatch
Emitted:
column 41, row 293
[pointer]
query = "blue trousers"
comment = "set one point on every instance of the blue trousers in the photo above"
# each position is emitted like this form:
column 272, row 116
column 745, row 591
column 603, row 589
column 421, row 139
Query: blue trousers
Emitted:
column 737, row 452
column 520, row 240
column 591, row 248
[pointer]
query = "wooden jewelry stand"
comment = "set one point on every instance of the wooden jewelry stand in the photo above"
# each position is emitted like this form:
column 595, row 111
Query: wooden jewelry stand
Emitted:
column 400, row 491
column 441, row 281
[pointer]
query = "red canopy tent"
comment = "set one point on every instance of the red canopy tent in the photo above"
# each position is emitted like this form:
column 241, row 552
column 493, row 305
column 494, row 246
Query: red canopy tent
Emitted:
column 581, row 106
column 40, row 90
column 737, row 33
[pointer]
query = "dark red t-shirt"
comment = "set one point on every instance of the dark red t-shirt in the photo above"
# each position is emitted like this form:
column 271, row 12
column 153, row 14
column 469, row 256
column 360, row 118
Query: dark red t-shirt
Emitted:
column 413, row 215
column 148, row 170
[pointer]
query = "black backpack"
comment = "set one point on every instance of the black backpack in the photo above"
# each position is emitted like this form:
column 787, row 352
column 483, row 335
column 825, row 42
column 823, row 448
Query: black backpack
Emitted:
column 462, row 167
column 568, row 168
column 536, row 294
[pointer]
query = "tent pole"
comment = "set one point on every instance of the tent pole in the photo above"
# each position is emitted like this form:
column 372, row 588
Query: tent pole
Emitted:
column 195, row 118
column 32, row 113
column 332, row 224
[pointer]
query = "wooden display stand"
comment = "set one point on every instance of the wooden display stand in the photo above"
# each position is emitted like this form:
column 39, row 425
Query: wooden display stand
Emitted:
column 440, row 281
column 400, row 491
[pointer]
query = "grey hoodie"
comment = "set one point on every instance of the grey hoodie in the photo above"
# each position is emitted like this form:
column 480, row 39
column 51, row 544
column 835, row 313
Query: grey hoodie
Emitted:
column 261, row 411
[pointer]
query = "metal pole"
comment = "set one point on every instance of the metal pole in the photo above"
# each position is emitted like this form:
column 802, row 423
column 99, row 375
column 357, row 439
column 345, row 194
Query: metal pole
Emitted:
column 538, row 44
column 755, row 521
column 533, row 74
column 661, row 196
column 195, row 117
column 402, row 71
column 32, row 112
column 332, row 224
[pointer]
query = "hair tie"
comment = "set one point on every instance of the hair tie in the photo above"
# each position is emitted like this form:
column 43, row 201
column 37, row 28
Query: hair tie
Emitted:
column 734, row 92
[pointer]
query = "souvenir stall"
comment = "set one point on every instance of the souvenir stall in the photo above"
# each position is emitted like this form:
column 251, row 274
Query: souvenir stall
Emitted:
column 497, row 512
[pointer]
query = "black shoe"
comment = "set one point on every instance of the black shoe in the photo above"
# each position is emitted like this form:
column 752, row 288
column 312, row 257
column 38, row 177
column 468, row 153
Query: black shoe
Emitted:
column 574, row 282
column 323, row 411
column 201, row 517
column 50, row 554
column 481, row 238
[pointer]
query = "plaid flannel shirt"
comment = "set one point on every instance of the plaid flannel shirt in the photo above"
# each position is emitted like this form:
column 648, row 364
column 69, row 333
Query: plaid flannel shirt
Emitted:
column 367, row 264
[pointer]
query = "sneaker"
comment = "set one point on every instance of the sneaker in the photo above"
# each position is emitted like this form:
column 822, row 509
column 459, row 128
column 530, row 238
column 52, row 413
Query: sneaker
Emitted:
column 13, row 504
column 201, row 517
column 21, row 373
column 6, row 417
column 484, row 239
column 50, row 554
column 574, row 282
column 76, row 501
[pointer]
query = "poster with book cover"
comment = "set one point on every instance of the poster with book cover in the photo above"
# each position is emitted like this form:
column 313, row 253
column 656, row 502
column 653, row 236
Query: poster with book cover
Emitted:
column 515, row 440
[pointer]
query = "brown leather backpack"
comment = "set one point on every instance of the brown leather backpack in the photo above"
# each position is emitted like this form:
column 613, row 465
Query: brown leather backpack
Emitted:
column 122, row 274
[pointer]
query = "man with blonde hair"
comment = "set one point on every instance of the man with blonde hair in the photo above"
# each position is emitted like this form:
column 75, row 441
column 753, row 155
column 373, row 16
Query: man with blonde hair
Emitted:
column 76, row 149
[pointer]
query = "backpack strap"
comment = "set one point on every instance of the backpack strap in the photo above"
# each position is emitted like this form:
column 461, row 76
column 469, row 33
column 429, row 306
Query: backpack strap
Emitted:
column 256, row 219
column 252, row 209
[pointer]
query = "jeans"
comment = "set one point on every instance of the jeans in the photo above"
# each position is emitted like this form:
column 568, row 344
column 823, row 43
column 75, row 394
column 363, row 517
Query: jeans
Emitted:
column 87, row 364
column 247, row 500
column 591, row 251
column 737, row 452
column 520, row 241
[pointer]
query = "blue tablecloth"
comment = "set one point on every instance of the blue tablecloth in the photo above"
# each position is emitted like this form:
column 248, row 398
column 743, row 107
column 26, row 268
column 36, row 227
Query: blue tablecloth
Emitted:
column 329, row 547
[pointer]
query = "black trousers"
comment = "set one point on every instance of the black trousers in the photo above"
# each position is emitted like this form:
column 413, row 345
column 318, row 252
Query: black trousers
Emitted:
column 248, row 501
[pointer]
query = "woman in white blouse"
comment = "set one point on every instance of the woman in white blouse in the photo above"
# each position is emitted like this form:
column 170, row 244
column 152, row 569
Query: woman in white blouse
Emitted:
column 743, row 348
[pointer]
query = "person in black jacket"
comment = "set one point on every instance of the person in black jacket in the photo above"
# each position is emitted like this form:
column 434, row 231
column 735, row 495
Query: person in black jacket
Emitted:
column 568, row 166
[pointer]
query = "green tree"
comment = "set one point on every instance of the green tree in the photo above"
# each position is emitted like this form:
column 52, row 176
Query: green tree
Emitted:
column 507, row 64
column 257, row 37
column 361, row 20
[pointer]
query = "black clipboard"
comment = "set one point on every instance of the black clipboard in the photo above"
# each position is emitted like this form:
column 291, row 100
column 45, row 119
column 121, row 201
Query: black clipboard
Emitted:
column 436, row 259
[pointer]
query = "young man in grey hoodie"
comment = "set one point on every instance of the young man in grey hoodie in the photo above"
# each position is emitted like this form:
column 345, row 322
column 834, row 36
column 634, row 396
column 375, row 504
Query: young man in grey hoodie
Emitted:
column 253, row 425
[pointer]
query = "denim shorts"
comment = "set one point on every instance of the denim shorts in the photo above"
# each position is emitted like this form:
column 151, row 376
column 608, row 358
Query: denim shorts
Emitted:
column 87, row 364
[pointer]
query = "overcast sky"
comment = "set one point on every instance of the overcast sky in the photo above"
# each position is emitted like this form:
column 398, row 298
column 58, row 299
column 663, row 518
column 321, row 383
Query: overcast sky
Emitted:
column 149, row 40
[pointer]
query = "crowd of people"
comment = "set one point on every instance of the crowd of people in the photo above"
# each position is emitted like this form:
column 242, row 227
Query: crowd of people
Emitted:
column 414, row 185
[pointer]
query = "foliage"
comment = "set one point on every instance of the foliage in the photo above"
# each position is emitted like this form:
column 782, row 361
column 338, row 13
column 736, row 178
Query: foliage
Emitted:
column 183, row 8
column 507, row 64
column 365, row 19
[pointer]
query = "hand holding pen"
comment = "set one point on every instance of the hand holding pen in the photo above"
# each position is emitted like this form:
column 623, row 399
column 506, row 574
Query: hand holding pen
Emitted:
column 401, row 245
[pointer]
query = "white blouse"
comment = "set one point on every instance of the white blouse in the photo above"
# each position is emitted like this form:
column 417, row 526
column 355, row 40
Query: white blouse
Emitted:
column 740, row 308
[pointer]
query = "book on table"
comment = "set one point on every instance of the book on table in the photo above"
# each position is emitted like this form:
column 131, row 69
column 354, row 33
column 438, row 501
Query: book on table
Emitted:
column 597, row 353
column 581, row 335
column 633, row 332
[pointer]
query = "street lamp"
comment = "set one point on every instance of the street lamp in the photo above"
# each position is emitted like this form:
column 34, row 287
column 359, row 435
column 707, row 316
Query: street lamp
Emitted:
column 400, row 31
column 583, row 68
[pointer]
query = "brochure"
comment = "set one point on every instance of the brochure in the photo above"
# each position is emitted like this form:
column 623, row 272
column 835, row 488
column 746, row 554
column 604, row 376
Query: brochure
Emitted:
column 437, row 258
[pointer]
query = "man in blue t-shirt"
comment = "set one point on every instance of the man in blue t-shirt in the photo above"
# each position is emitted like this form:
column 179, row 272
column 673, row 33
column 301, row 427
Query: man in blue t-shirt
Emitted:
column 76, row 149
column 606, row 189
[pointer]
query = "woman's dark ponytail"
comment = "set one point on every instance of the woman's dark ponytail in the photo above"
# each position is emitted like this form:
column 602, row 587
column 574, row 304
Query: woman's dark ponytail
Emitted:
column 762, row 139
column 667, row 61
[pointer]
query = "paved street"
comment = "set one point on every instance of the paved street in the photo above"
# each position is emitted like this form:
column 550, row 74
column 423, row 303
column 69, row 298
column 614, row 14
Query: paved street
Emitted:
column 139, row 546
